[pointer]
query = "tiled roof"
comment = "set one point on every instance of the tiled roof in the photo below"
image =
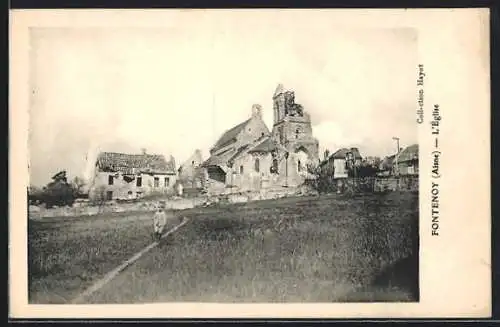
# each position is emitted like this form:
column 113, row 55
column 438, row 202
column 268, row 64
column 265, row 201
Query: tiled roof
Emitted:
column 239, row 151
column 126, row 163
column 230, row 135
column 262, row 144
column 220, row 159
column 408, row 154
column 266, row 146
column 341, row 153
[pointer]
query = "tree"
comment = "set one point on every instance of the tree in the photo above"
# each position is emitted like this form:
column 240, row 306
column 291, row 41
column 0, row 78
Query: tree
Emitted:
column 77, row 184
column 58, row 192
column 35, row 195
column 323, row 180
column 99, row 197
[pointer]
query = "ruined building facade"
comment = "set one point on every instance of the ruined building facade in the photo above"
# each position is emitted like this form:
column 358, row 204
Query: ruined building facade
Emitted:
column 131, row 176
column 250, row 157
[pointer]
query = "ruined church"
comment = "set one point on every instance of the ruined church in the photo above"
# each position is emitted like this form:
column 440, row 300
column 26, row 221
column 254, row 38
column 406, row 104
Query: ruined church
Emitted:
column 250, row 157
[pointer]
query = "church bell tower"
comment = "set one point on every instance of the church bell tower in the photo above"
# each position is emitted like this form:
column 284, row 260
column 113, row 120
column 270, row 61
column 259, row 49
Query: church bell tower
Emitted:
column 292, row 125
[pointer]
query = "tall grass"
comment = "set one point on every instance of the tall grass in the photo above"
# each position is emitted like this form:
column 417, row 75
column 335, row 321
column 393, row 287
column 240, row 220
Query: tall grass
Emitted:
column 329, row 249
column 67, row 255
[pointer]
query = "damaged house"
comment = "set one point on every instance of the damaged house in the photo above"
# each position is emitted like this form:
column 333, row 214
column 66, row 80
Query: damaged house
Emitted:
column 337, row 162
column 407, row 161
column 191, row 175
column 129, row 176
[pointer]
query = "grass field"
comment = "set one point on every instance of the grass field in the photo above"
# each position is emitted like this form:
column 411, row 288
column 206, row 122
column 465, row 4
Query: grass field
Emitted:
column 328, row 248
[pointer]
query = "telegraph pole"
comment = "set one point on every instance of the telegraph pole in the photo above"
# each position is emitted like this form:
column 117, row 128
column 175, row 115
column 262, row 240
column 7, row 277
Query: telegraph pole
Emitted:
column 286, row 169
column 397, row 152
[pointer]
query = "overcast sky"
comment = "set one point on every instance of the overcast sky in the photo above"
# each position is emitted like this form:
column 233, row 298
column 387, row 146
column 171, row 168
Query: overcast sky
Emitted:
column 174, row 90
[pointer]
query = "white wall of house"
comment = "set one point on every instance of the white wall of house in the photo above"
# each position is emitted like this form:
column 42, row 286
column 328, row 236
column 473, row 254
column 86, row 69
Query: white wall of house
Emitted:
column 115, row 185
column 340, row 170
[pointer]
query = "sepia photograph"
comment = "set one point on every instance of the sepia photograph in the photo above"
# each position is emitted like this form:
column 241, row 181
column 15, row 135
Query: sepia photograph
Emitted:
column 229, row 157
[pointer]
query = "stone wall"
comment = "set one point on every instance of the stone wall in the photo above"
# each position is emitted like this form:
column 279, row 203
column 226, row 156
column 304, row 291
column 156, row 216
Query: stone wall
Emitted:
column 252, row 180
column 407, row 183
column 87, row 209
column 84, row 208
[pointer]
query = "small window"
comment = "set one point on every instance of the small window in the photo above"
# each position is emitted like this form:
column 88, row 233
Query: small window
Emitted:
column 109, row 195
column 297, row 132
column 110, row 180
column 257, row 165
column 262, row 134
column 156, row 182
column 138, row 194
column 139, row 181
column 192, row 162
column 299, row 166
column 167, row 181
column 241, row 169
column 129, row 192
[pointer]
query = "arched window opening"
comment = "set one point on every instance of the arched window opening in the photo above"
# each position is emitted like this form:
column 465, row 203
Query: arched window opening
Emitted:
column 299, row 166
column 257, row 165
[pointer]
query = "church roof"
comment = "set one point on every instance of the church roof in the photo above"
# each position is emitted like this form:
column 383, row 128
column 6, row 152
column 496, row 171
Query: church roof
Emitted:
column 265, row 146
column 220, row 159
column 230, row 135
column 125, row 163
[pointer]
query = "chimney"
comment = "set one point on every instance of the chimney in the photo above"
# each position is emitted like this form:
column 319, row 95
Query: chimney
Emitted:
column 256, row 111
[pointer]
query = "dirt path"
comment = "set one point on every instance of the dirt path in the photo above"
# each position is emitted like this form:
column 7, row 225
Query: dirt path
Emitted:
column 112, row 274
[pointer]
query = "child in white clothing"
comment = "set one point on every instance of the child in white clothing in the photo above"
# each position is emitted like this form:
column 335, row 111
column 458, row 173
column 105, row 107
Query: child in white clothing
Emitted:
column 159, row 221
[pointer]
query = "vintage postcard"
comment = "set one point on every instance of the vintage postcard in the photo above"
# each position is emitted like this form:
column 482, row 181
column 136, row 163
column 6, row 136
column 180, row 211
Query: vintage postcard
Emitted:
column 249, row 163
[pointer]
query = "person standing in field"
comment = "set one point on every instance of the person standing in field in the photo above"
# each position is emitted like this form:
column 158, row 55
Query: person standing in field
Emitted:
column 159, row 221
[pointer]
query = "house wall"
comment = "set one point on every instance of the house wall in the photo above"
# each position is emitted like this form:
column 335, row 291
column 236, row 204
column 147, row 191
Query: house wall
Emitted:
column 338, row 165
column 189, row 173
column 408, row 168
column 125, row 190
column 340, row 170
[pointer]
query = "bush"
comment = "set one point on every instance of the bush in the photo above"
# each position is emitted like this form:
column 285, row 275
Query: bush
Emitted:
column 58, row 194
column 323, row 181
